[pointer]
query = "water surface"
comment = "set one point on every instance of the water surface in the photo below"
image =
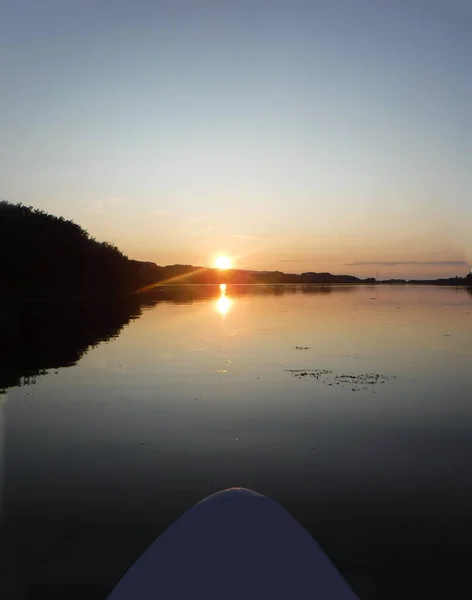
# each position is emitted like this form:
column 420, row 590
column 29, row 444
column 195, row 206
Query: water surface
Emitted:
column 351, row 406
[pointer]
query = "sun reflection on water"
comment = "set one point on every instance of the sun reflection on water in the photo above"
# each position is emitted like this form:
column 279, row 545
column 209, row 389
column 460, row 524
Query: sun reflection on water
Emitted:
column 223, row 304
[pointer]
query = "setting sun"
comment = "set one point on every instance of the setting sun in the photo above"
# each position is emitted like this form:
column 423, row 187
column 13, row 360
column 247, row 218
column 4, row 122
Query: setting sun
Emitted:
column 223, row 262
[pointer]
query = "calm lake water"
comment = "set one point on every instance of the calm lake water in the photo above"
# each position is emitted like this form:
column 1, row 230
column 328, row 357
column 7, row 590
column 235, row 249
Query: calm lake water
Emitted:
column 351, row 406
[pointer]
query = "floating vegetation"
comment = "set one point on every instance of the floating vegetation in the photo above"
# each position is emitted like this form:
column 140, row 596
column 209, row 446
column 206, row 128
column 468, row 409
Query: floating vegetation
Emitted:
column 359, row 380
column 366, row 378
column 316, row 373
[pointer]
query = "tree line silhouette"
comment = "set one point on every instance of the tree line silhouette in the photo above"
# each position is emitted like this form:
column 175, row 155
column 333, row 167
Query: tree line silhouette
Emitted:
column 45, row 255
column 40, row 251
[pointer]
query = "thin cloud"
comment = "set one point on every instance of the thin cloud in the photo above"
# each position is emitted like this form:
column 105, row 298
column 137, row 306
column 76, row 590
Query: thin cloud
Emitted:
column 295, row 260
column 246, row 237
column 208, row 229
column 422, row 263
column 161, row 213
column 111, row 203
column 98, row 208
column 195, row 219
column 117, row 200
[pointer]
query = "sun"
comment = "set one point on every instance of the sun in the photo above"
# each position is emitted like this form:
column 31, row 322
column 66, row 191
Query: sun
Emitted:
column 223, row 262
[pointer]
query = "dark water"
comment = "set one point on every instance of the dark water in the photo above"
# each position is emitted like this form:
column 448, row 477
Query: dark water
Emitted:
column 351, row 406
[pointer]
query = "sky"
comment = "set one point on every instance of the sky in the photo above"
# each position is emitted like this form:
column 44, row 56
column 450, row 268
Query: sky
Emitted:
column 292, row 135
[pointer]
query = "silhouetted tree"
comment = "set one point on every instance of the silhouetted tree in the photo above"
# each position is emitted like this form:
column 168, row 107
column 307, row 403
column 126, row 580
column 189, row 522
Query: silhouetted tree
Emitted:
column 41, row 252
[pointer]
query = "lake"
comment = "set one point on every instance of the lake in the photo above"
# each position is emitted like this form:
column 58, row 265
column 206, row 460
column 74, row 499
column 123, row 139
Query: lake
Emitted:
column 349, row 405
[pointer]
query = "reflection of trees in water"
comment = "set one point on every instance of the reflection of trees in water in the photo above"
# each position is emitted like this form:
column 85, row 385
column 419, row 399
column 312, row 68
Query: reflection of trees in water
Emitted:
column 328, row 289
column 40, row 336
column 36, row 337
column 195, row 293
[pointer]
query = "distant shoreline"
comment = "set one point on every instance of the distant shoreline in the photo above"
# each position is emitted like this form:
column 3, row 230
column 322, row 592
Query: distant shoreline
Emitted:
column 189, row 274
column 47, row 259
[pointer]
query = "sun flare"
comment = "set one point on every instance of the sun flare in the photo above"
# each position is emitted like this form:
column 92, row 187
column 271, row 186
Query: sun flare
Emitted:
column 223, row 262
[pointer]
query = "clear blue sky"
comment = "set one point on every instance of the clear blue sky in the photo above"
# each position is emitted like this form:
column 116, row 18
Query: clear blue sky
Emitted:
column 291, row 134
